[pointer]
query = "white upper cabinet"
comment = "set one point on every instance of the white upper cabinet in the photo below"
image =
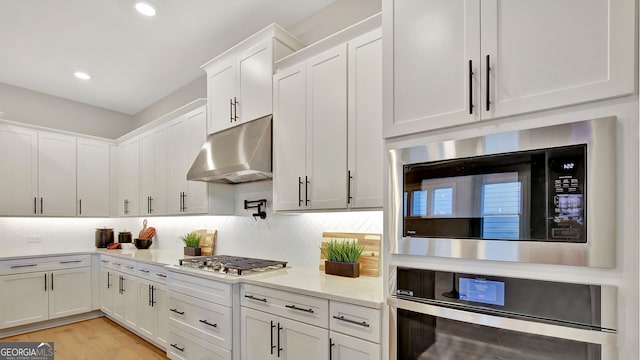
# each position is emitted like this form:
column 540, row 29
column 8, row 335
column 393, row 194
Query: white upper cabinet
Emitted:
column 187, row 133
column 93, row 178
column 129, row 177
column 56, row 174
column 454, row 62
column 239, row 81
column 310, row 117
column 19, row 177
column 365, row 143
column 328, row 123
column 153, row 171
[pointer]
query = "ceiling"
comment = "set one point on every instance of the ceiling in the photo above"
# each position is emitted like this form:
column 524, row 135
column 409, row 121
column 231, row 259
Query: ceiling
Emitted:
column 133, row 60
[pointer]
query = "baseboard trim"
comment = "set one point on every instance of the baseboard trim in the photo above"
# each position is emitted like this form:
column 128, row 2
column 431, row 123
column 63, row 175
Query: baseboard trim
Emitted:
column 50, row 323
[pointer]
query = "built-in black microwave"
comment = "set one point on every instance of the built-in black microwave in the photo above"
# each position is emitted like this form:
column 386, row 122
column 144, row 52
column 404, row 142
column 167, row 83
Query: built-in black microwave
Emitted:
column 535, row 195
column 538, row 195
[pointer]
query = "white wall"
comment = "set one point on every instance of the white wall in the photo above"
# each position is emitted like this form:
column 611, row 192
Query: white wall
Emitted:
column 30, row 107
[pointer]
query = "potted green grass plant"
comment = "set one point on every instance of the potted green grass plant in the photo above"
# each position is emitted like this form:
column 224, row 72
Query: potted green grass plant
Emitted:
column 192, row 244
column 342, row 258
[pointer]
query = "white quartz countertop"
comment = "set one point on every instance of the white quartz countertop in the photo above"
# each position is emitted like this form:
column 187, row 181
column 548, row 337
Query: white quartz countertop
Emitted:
column 364, row 290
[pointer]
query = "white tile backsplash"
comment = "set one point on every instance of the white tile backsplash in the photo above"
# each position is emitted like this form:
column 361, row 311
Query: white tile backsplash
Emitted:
column 292, row 237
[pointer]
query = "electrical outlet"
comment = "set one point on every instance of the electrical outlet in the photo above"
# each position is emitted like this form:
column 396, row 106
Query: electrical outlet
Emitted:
column 34, row 239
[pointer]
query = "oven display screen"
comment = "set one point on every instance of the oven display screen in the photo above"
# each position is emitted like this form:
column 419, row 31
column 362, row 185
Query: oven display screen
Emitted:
column 482, row 291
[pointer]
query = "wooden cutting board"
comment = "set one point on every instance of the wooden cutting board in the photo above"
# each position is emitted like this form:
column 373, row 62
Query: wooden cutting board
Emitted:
column 208, row 241
column 370, row 258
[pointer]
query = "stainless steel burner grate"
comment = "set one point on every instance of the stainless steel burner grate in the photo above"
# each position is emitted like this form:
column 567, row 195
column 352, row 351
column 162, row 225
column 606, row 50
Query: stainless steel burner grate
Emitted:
column 233, row 265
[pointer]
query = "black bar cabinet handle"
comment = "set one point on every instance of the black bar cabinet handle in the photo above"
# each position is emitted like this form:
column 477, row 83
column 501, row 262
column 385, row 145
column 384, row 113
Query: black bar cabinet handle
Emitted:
column 176, row 347
column 149, row 294
column 35, row 205
column 488, row 77
column 255, row 298
column 279, row 348
column 293, row 307
column 331, row 345
column 51, row 281
column 208, row 323
column 70, row 261
column 153, row 296
column 342, row 318
column 45, row 282
column 235, row 108
column 230, row 110
column 349, row 177
column 470, row 86
column 108, row 280
column 23, row 266
column 41, row 205
column 161, row 275
column 184, row 201
column 272, row 346
column 299, row 191
column 122, row 281
column 177, row 312
column 306, row 191
column 80, row 201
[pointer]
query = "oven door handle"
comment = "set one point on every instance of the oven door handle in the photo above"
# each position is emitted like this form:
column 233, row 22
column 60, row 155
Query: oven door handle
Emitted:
column 603, row 337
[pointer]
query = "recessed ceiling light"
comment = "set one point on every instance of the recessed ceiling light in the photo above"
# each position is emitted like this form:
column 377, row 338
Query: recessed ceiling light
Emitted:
column 82, row 75
column 145, row 8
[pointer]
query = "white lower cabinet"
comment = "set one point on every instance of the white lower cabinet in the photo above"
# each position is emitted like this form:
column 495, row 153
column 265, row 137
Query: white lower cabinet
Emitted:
column 345, row 347
column 125, row 303
column 152, row 311
column 40, row 289
column 107, row 289
column 266, row 336
column 200, row 315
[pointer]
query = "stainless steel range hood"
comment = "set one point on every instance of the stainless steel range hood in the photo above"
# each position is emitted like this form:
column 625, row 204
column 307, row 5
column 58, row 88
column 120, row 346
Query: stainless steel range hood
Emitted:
column 236, row 155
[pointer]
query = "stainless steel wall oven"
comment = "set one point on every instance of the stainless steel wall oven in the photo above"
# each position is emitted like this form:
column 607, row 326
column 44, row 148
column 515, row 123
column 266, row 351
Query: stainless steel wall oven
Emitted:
column 445, row 316
column 542, row 195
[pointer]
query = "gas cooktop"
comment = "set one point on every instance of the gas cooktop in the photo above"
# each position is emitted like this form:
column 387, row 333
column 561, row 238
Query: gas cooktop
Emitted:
column 232, row 265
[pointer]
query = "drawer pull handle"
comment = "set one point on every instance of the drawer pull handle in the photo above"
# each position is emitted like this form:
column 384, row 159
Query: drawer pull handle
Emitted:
column 161, row 275
column 176, row 347
column 117, row 264
column 129, row 267
column 70, row 261
column 255, row 298
column 23, row 266
column 144, row 271
column 342, row 318
column 293, row 307
column 177, row 312
column 104, row 261
column 208, row 323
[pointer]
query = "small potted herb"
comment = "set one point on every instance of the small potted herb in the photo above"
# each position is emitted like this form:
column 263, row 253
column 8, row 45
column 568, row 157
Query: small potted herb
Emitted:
column 342, row 258
column 192, row 243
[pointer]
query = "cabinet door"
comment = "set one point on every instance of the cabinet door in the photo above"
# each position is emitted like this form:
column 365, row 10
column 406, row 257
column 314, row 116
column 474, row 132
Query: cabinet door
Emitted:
column 258, row 335
column 153, row 171
column 19, row 178
column 130, row 300
column 93, row 178
column 108, row 285
column 69, row 292
column 255, row 74
column 545, row 54
column 365, row 145
column 327, row 129
column 345, row 347
column 302, row 341
column 289, row 147
column 147, row 317
column 436, row 60
column 221, row 90
column 56, row 174
column 160, row 301
column 185, row 138
column 128, row 177
column 24, row 299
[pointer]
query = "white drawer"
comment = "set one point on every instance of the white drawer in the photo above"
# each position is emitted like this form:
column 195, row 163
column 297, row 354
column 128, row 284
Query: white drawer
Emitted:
column 126, row 266
column 303, row 308
column 151, row 272
column 105, row 261
column 354, row 320
column 184, row 347
column 208, row 321
column 35, row 264
column 205, row 289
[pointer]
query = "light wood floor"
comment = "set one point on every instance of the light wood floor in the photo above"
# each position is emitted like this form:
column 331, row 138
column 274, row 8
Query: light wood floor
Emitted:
column 93, row 339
